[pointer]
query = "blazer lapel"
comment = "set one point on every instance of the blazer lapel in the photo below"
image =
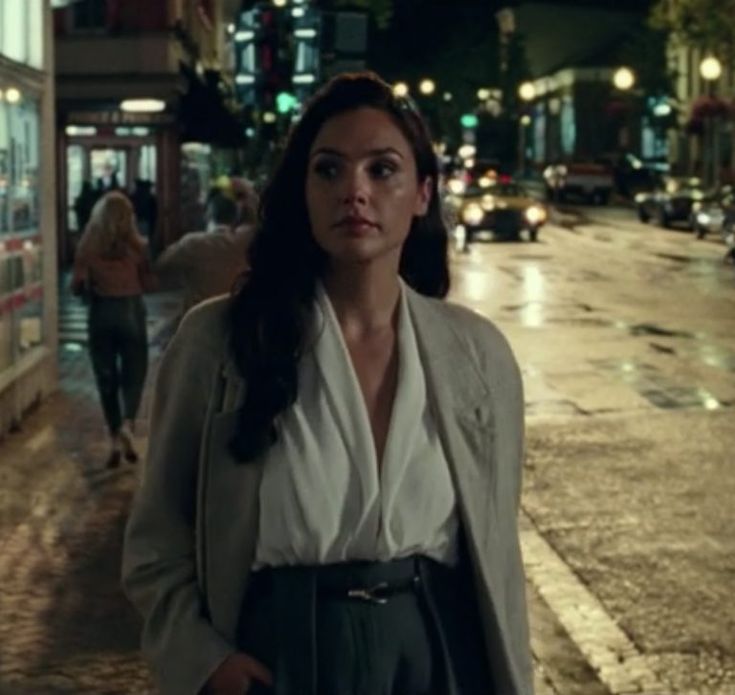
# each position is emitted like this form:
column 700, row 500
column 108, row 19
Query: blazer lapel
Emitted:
column 460, row 402
column 228, row 538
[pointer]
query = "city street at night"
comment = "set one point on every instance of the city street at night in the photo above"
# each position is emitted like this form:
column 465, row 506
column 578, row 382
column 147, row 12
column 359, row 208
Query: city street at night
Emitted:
column 626, row 338
column 345, row 486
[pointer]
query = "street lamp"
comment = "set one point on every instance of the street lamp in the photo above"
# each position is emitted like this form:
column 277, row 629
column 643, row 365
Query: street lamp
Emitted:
column 483, row 94
column 710, row 69
column 527, row 93
column 624, row 79
column 400, row 89
column 427, row 87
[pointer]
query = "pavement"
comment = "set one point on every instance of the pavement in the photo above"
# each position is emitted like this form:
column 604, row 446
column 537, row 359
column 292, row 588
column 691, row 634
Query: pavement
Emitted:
column 65, row 627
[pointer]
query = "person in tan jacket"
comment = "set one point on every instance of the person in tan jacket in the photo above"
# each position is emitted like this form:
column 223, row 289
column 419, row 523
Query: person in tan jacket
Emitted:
column 207, row 264
column 329, row 503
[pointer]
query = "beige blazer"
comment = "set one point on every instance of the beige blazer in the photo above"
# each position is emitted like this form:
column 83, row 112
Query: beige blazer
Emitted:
column 191, row 537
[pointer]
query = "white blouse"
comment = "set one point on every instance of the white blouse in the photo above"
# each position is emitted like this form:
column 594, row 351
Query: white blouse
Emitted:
column 322, row 499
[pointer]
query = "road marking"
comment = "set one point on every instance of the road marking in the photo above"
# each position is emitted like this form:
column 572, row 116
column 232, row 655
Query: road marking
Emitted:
column 617, row 661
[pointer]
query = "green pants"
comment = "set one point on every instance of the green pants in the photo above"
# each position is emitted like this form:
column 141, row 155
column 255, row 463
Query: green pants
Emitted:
column 424, row 641
column 118, row 347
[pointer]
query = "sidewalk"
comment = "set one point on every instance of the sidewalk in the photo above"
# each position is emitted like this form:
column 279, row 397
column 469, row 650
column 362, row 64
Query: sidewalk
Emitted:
column 66, row 628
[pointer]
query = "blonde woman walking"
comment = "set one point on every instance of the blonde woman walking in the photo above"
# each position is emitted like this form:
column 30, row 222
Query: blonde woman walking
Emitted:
column 111, row 269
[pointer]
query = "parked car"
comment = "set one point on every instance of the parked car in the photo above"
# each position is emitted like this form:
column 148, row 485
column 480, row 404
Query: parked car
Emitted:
column 673, row 201
column 715, row 213
column 589, row 181
column 503, row 207
column 633, row 175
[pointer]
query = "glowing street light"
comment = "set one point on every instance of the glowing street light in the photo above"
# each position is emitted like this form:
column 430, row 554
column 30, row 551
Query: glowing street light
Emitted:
column 710, row 68
column 527, row 91
column 400, row 89
column 624, row 78
column 427, row 87
column 483, row 94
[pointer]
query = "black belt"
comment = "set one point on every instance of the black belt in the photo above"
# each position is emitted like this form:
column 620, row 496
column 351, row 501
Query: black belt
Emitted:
column 370, row 582
column 378, row 593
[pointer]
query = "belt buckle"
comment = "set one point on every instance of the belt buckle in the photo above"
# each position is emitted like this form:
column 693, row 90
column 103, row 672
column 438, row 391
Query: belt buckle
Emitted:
column 369, row 595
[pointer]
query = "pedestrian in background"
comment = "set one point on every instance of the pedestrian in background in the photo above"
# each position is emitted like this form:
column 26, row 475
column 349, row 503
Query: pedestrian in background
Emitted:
column 329, row 504
column 83, row 204
column 111, row 271
column 145, row 207
column 206, row 264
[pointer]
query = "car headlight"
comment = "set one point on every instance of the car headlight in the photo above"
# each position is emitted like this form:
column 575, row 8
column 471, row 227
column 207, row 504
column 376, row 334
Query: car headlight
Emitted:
column 488, row 203
column 536, row 214
column 473, row 214
column 640, row 197
column 456, row 186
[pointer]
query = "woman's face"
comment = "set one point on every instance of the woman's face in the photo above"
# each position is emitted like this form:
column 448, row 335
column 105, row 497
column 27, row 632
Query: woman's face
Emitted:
column 362, row 191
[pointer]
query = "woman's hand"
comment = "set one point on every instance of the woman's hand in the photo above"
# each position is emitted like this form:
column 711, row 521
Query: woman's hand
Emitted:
column 235, row 675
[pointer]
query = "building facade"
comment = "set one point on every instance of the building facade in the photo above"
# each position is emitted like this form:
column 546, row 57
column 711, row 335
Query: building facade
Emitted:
column 140, row 98
column 28, row 294
column 700, row 137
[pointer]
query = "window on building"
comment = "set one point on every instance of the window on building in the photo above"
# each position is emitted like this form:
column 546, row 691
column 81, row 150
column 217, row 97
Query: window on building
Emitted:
column 21, row 31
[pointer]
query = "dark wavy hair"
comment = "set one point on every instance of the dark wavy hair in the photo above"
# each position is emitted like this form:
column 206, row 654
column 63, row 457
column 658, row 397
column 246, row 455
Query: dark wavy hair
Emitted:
column 271, row 312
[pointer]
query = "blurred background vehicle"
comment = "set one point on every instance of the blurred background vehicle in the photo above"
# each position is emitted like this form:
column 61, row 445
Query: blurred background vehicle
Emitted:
column 584, row 181
column 715, row 213
column 633, row 175
column 502, row 207
column 672, row 201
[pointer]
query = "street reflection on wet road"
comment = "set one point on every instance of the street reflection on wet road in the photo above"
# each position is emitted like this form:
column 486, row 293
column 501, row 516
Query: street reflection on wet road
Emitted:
column 625, row 335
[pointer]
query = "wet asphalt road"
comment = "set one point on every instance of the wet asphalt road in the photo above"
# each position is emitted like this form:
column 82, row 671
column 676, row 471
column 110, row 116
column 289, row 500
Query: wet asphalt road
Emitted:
column 626, row 338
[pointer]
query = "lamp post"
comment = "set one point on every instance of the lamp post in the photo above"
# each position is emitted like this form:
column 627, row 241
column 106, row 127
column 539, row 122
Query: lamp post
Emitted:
column 624, row 81
column 527, row 93
column 710, row 69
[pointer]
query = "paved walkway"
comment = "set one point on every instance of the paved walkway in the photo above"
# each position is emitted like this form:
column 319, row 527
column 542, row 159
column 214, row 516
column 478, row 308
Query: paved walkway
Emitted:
column 65, row 627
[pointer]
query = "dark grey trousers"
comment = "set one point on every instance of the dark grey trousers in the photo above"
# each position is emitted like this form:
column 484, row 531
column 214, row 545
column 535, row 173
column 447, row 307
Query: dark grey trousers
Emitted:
column 118, row 347
column 426, row 641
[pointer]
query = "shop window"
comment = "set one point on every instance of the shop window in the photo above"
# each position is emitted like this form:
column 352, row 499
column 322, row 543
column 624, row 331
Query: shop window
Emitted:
column 21, row 268
column 147, row 163
column 74, row 183
column 4, row 166
column 24, row 166
column 21, row 31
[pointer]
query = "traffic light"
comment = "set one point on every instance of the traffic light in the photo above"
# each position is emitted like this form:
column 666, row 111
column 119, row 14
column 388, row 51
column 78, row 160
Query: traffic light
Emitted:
column 286, row 102
column 468, row 120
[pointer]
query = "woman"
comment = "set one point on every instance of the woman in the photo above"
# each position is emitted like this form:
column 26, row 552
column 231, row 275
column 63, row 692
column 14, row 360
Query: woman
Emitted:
column 329, row 505
column 111, row 270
